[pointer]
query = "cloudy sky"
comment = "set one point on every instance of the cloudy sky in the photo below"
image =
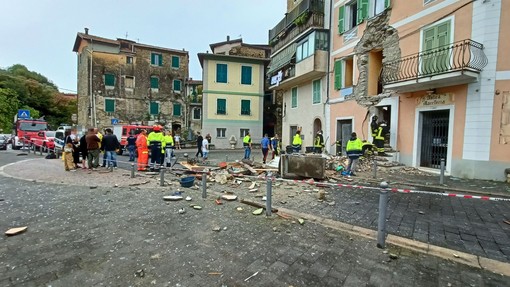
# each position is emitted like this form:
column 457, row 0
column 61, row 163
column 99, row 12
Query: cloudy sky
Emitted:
column 40, row 33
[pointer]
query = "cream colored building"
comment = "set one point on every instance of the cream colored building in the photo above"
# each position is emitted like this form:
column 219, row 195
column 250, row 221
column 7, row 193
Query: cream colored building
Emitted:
column 298, row 69
column 233, row 91
column 438, row 73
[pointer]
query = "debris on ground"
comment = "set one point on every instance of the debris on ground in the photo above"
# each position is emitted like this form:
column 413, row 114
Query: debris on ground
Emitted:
column 198, row 207
column 16, row 230
column 216, row 228
column 229, row 197
column 393, row 256
column 140, row 273
column 301, row 221
column 172, row 197
column 258, row 211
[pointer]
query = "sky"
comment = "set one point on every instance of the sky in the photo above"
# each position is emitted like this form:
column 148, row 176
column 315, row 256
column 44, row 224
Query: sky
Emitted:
column 40, row 34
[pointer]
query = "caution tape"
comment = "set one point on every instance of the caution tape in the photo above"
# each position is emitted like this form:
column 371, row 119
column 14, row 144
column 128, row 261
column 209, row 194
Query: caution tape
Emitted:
column 394, row 190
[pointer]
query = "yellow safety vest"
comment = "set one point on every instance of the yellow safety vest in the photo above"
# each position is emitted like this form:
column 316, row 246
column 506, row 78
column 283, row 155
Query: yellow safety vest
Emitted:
column 297, row 140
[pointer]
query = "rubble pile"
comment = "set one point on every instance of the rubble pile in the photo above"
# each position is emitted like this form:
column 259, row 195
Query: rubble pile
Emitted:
column 365, row 164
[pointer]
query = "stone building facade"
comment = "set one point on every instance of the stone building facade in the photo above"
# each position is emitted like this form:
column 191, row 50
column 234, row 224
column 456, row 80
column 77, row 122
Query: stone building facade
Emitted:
column 124, row 82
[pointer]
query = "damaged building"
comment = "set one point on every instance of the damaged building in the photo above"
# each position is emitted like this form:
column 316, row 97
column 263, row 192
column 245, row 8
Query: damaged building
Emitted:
column 435, row 72
column 125, row 82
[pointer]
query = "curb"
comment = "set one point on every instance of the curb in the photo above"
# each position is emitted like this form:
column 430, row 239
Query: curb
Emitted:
column 480, row 262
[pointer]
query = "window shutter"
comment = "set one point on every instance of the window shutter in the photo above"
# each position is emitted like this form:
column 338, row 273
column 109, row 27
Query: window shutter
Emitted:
column 341, row 17
column 175, row 62
column 154, row 108
column 387, row 4
column 338, row 75
column 109, row 80
column 443, row 34
column 246, row 75
column 160, row 60
column 109, row 105
column 221, row 106
column 362, row 10
column 245, row 107
column 153, row 59
column 221, row 73
column 177, row 85
column 177, row 109
column 154, row 83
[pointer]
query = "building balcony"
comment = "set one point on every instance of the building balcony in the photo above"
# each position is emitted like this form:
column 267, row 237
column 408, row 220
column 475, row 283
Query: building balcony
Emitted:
column 308, row 69
column 309, row 13
column 453, row 64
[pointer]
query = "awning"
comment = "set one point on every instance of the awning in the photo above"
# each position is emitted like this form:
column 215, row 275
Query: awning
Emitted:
column 283, row 58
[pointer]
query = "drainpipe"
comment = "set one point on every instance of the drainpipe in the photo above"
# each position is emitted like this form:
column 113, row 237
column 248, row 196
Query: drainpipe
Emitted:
column 327, row 112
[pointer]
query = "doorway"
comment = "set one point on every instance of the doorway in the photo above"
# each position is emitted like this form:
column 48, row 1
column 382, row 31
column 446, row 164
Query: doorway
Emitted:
column 434, row 138
column 317, row 126
column 343, row 134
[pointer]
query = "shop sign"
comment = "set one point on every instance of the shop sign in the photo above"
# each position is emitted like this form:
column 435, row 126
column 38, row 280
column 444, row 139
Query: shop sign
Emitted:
column 436, row 100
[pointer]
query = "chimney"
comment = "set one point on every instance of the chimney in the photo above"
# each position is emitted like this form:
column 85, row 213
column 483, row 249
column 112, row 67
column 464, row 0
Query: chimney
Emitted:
column 86, row 31
column 228, row 38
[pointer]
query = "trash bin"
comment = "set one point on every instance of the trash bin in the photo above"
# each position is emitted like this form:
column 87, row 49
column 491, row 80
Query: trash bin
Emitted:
column 309, row 149
column 288, row 149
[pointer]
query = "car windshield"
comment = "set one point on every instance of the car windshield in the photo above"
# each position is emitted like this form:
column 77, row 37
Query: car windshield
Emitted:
column 50, row 134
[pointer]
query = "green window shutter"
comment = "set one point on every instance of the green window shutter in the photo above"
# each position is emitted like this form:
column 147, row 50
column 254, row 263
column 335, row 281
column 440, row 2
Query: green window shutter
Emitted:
column 177, row 85
column 362, row 10
column 109, row 80
column 294, row 99
column 387, row 4
column 442, row 40
column 153, row 59
column 341, row 19
column 160, row 60
column 154, row 83
column 175, row 62
column 246, row 72
column 316, row 91
column 221, row 73
column 109, row 105
column 443, row 34
column 221, row 106
column 245, row 107
column 154, row 108
column 177, row 110
column 338, row 75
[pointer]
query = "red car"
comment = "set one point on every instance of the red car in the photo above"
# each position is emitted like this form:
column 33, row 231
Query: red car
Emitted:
column 44, row 139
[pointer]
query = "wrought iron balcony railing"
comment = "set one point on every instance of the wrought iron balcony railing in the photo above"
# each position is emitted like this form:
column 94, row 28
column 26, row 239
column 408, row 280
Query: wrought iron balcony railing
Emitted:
column 311, row 6
column 459, row 56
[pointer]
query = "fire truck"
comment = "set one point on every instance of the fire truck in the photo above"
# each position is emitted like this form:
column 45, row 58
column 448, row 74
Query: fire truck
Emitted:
column 26, row 129
column 122, row 133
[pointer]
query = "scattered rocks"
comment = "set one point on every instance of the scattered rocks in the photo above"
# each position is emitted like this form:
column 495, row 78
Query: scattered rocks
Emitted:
column 140, row 273
column 393, row 256
column 216, row 228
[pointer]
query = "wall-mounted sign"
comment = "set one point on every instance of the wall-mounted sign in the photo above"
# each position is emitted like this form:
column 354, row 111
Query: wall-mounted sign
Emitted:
column 435, row 100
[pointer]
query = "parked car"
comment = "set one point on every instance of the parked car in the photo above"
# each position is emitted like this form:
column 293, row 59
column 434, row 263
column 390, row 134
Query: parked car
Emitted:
column 4, row 141
column 44, row 139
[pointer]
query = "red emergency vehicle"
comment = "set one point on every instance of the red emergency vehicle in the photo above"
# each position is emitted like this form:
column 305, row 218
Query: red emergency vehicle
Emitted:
column 26, row 129
column 122, row 133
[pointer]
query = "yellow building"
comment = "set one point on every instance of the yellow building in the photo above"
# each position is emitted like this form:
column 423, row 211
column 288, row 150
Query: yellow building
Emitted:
column 233, row 91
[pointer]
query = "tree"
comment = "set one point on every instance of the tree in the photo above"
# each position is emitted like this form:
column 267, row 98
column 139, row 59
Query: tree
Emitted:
column 8, row 107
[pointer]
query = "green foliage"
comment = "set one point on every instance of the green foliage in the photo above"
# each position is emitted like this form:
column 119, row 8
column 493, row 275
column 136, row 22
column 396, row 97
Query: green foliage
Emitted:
column 35, row 92
column 301, row 19
column 8, row 108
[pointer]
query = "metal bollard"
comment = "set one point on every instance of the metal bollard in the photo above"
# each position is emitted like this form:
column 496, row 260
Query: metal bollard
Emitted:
column 132, row 170
column 269, row 191
column 374, row 169
column 204, row 184
column 226, row 158
column 441, row 176
column 161, row 177
column 381, row 226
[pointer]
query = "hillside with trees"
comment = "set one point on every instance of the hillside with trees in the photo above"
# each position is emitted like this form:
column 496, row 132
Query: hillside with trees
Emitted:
column 21, row 88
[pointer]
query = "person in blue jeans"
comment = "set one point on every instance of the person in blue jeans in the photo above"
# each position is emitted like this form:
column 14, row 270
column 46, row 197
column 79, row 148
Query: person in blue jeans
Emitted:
column 111, row 145
column 264, row 143
column 247, row 146
column 131, row 146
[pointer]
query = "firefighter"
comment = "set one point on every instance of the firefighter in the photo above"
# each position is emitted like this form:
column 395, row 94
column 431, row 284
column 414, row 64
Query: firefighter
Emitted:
column 353, row 149
column 318, row 143
column 379, row 140
column 297, row 142
column 374, row 127
column 156, row 143
column 169, row 150
column 143, row 151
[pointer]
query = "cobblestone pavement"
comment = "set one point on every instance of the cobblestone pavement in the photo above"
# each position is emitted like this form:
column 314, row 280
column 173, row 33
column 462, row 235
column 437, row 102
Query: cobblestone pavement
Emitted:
column 104, row 231
column 106, row 236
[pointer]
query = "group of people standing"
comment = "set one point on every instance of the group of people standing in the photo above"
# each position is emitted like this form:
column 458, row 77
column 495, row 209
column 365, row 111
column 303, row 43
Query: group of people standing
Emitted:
column 90, row 146
column 267, row 144
column 203, row 146
column 160, row 144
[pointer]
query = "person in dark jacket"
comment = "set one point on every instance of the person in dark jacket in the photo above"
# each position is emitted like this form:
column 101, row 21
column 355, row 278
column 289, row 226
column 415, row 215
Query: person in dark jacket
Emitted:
column 131, row 146
column 84, row 151
column 110, row 144
column 200, row 138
